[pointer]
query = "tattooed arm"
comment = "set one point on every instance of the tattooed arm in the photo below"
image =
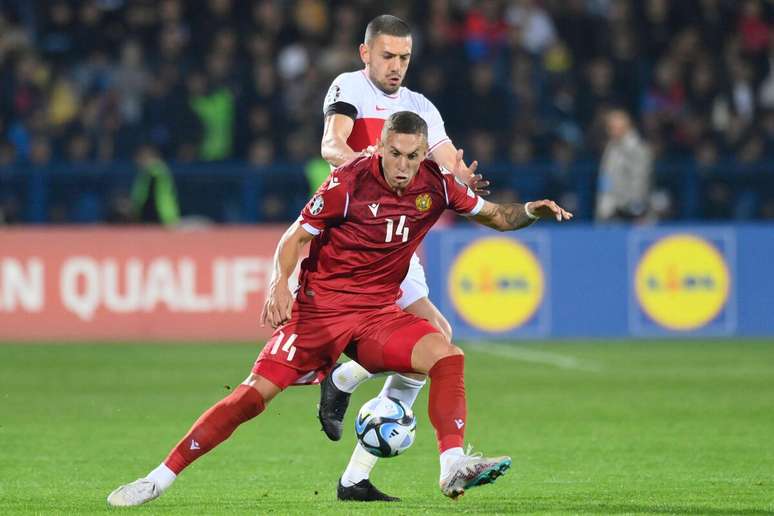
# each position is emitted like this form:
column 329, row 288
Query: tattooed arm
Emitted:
column 509, row 217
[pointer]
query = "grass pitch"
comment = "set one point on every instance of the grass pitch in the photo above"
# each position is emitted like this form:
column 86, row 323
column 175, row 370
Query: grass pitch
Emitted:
column 642, row 427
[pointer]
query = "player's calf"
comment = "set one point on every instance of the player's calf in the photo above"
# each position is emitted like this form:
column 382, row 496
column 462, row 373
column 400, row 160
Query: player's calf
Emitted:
column 212, row 428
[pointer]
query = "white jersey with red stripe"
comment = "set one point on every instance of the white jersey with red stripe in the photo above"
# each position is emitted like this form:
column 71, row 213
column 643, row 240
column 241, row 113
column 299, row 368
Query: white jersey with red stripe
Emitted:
column 373, row 107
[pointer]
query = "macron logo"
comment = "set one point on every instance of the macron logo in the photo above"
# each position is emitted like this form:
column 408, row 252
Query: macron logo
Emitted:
column 460, row 423
column 334, row 182
column 374, row 208
column 194, row 444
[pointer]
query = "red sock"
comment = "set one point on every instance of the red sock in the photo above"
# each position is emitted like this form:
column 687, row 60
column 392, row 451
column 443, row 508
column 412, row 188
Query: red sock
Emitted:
column 447, row 407
column 215, row 425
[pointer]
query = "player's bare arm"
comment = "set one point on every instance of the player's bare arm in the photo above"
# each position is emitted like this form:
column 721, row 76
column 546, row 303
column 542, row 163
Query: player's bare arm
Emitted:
column 279, row 300
column 449, row 157
column 334, row 148
column 509, row 217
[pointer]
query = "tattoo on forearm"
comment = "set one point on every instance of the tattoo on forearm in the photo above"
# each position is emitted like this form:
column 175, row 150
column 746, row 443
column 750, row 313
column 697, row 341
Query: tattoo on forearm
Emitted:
column 514, row 215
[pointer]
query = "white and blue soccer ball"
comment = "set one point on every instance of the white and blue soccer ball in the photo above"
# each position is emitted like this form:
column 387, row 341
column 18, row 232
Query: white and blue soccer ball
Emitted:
column 385, row 427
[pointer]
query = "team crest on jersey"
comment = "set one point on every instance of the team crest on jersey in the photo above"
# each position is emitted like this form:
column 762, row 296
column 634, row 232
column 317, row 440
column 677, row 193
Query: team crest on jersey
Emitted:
column 424, row 202
column 316, row 205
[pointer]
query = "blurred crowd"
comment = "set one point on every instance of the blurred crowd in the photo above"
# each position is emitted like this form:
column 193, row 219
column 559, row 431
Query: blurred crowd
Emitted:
column 516, row 81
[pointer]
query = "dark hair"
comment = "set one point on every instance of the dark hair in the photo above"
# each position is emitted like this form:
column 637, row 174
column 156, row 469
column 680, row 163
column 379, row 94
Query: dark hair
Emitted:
column 386, row 24
column 405, row 122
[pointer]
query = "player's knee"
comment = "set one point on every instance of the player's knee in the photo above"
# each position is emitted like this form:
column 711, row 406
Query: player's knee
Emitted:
column 430, row 350
column 265, row 388
column 454, row 350
column 446, row 349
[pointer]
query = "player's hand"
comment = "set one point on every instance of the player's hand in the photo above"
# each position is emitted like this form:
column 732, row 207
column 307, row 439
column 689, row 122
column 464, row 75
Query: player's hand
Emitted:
column 278, row 305
column 547, row 208
column 475, row 181
column 478, row 184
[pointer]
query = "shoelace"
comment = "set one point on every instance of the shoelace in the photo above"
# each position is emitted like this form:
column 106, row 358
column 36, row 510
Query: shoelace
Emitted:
column 468, row 451
column 472, row 468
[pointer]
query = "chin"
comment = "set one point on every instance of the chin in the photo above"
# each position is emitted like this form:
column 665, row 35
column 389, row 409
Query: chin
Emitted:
column 387, row 88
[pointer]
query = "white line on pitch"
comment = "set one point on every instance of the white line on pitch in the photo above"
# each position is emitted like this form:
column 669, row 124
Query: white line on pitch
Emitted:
column 535, row 356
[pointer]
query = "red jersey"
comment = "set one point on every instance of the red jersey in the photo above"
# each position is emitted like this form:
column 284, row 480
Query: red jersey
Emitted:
column 366, row 233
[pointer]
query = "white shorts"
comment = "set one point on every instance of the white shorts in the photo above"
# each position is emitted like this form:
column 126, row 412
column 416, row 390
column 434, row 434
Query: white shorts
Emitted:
column 414, row 285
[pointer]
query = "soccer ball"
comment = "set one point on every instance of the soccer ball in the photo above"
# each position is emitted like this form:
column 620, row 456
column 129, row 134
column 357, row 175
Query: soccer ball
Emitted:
column 385, row 427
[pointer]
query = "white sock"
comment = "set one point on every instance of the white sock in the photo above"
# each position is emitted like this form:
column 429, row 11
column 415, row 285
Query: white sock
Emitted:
column 162, row 476
column 448, row 458
column 360, row 465
column 403, row 388
column 349, row 376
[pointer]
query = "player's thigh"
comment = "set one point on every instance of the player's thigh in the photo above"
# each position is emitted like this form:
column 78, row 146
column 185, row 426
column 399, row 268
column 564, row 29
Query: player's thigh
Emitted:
column 425, row 309
column 385, row 340
column 305, row 349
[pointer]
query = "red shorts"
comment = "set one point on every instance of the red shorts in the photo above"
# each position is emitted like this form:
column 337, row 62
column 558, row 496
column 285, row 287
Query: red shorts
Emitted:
column 304, row 350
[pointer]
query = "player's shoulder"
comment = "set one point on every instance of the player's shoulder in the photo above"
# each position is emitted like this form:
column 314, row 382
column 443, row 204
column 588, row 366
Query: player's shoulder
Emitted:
column 420, row 102
column 352, row 169
column 355, row 79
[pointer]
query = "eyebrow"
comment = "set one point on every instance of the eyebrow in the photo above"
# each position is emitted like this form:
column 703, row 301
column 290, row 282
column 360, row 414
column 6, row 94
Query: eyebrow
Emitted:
column 392, row 54
column 415, row 151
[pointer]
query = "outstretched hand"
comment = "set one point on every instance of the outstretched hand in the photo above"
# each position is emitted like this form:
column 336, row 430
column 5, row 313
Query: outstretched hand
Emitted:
column 547, row 208
column 476, row 182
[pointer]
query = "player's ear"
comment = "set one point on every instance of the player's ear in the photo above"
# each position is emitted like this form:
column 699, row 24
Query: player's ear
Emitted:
column 423, row 149
column 364, row 54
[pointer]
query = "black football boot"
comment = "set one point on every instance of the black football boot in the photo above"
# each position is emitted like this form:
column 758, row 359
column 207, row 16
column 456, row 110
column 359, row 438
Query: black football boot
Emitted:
column 363, row 491
column 333, row 405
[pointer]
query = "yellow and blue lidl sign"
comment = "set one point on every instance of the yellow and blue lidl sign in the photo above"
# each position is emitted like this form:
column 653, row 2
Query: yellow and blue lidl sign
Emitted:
column 496, row 284
column 682, row 283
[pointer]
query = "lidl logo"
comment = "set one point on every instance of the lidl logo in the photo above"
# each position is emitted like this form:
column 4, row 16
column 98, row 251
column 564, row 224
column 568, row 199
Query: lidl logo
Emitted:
column 682, row 282
column 496, row 284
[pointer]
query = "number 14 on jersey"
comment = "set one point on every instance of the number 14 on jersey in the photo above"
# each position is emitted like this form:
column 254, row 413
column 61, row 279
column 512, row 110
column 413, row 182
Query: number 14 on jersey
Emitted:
column 401, row 230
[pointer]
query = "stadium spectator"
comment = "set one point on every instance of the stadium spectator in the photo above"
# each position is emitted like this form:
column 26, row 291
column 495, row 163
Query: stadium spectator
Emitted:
column 154, row 199
column 109, row 75
column 626, row 172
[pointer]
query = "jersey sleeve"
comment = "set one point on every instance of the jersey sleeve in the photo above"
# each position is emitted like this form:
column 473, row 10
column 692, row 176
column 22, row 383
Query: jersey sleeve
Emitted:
column 343, row 96
column 328, row 206
column 460, row 197
column 436, row 131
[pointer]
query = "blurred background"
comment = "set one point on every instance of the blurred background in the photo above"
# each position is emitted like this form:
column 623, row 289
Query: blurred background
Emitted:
column 229, row 93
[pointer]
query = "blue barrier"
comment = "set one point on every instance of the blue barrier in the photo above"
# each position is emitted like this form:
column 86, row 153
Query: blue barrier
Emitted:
column 236, row 192
column 586, row 281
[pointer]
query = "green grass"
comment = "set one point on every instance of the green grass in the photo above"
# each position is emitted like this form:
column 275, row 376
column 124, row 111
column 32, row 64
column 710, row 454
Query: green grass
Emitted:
column 638, row 427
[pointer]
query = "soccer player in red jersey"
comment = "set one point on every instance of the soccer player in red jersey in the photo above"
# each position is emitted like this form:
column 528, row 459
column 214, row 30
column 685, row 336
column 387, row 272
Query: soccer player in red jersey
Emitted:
column 364, row 224
column 355, row 108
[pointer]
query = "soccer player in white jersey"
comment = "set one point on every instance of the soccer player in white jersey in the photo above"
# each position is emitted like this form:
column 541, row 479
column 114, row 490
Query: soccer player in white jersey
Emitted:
column 355, row 108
